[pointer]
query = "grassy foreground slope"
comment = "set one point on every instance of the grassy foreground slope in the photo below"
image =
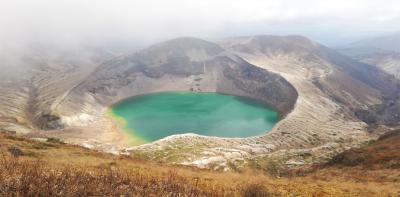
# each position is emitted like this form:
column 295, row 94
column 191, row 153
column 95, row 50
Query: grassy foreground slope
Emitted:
column 51, row 168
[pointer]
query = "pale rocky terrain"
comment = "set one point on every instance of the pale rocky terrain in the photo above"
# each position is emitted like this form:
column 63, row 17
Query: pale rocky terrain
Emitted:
column 389, row 62
column 327, row 101
column 35, row 79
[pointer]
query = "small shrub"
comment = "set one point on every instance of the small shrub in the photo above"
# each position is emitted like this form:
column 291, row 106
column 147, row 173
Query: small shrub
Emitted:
column 274, row 168
column 15, row 138
column 15, row 151
column 54, row 140
column 255, row 190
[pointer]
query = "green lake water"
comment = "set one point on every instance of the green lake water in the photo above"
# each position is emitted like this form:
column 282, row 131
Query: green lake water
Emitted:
column 151, row 117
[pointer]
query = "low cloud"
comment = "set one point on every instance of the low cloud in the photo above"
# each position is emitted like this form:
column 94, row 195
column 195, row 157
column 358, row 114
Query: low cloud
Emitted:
column 72, row 22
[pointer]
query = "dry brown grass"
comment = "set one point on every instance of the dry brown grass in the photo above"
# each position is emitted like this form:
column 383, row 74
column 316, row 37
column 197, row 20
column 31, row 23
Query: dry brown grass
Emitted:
column 56, row 169
column 27, row 178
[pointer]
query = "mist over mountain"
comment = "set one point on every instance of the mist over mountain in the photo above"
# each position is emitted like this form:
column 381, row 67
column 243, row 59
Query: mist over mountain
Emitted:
column 387, row 43
column 146, row 22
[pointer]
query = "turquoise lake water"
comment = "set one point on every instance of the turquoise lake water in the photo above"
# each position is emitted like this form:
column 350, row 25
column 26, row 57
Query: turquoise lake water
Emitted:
column 154, row 116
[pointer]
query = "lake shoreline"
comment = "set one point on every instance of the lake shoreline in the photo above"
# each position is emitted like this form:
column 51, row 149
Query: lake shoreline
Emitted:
column 229, row 112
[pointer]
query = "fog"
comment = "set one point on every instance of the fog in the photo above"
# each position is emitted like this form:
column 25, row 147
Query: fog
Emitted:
column 135, row 23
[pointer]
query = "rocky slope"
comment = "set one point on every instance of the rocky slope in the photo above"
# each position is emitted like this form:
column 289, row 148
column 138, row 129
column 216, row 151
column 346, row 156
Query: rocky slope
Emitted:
column 36, row 78
column 352, row 85
column 388, row 61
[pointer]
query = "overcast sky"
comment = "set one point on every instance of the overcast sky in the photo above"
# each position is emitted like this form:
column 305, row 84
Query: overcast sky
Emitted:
column 332, row 22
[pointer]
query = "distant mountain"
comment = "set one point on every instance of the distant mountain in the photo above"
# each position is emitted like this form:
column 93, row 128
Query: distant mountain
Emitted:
column 383, row 52
column 388, row 43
